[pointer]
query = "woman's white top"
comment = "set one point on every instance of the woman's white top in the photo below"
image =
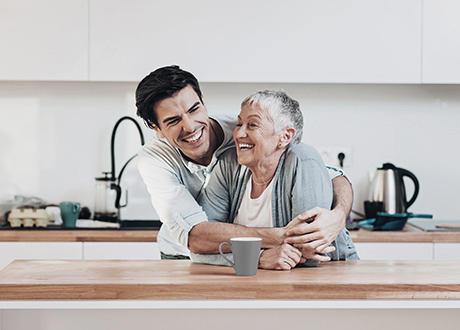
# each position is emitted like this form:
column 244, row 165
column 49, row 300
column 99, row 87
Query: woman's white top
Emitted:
column 255, row 212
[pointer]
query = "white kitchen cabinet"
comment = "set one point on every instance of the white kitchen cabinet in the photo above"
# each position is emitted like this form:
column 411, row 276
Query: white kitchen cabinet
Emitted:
column 395, row 251
column 10, row 251
column 446, row 251
column 39, row 250
column 121, row 250
column 310, row 41
column 441, row 41
column 44, row 40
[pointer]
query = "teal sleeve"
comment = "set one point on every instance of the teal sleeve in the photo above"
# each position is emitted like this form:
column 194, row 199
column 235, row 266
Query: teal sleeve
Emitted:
column 312, row 187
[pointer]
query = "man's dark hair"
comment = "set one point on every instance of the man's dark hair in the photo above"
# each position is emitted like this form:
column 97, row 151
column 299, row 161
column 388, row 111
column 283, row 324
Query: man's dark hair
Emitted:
column 158, row 85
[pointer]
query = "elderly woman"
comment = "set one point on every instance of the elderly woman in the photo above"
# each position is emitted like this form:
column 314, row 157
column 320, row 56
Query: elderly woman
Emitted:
column 271, row 177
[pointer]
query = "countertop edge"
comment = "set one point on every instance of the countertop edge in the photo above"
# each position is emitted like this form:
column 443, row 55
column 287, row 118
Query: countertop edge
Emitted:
column 79, row 236
column 231, row 304
column 409, row 234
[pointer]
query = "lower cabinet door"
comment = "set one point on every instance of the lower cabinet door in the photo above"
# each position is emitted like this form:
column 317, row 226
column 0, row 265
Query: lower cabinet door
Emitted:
column 10, row 251
column 447, row 251
column 395, row 251
column 121, row 251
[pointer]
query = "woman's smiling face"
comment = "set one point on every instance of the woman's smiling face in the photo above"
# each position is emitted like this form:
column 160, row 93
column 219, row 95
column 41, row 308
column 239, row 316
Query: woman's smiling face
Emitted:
column 255, row 138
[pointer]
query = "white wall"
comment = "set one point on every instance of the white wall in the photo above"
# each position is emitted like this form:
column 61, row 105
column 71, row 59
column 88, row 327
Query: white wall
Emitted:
column 55, row 137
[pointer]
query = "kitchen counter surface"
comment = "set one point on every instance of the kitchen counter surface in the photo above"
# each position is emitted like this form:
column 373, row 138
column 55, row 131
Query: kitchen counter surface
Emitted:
column 80, row 235
column 181, row 279
column 409, row 234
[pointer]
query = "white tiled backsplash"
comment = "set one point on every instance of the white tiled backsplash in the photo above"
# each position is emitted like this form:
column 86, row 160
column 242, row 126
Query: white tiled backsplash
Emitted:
column 55, row 136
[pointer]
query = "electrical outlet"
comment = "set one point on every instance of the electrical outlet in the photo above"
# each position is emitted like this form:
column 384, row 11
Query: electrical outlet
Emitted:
column 330, row 155
column 347, row 160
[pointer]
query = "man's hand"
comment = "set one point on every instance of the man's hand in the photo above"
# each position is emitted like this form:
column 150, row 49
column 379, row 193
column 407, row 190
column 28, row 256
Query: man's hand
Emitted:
column 314, row 230
column 283, row 257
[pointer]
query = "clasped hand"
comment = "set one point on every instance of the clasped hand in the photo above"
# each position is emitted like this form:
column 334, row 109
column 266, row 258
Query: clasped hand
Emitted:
column 308, row 236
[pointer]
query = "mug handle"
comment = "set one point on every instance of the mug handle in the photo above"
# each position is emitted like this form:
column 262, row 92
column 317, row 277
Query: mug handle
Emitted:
column 76, row 208
column 223, row 255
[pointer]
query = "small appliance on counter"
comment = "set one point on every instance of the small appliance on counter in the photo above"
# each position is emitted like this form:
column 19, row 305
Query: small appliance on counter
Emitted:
column 387, row 206
column 104, row 204
column 108, row 191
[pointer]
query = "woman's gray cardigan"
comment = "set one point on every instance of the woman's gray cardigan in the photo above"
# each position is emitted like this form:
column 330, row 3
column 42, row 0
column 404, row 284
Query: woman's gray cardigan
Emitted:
column 301, row 183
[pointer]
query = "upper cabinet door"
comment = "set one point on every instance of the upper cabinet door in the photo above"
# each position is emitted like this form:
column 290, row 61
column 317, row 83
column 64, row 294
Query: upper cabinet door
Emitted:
column 356, row 41
column 441, row 41
column 44, row 40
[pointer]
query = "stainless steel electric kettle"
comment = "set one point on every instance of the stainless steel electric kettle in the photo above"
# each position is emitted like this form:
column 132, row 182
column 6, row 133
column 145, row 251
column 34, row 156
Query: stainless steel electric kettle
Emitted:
column 387, row 192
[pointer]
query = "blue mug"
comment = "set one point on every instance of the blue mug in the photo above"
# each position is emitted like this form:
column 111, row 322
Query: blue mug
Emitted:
column 69, row 213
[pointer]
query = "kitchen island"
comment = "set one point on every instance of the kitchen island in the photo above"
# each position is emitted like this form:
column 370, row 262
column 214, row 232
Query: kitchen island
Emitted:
column 178, row 294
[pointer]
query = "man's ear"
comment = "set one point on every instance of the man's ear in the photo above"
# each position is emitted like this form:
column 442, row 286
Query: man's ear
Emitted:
column 286, row 137
column 157, row 130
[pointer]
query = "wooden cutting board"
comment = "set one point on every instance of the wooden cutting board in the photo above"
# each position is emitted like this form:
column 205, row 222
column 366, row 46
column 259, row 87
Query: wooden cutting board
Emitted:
column 448, row 226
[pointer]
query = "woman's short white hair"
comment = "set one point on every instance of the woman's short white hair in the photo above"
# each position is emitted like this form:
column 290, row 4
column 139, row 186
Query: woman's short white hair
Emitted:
column 284, row 111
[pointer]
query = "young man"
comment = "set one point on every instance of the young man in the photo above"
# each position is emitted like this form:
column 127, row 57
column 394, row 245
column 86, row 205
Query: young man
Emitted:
column 176, row 164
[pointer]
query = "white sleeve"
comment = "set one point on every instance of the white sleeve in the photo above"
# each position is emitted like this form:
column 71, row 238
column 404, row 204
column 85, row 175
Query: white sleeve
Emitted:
column 334, row 172
column 214, row 259
column 172, row 201
column 211, row 259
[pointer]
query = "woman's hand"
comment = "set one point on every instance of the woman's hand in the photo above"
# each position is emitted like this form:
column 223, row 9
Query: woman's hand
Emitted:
column 314, row 230
column 283, row 257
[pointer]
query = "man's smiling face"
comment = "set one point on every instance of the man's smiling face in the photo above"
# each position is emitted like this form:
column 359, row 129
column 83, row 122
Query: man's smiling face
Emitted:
column 183, row 120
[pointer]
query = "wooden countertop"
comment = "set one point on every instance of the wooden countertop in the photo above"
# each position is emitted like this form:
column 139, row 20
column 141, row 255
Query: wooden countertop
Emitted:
column 409, row 234
column 99, row 235
column 182, row 279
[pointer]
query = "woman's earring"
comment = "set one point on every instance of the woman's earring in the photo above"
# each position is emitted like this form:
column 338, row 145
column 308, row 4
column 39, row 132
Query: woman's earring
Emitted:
column 279, row 145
